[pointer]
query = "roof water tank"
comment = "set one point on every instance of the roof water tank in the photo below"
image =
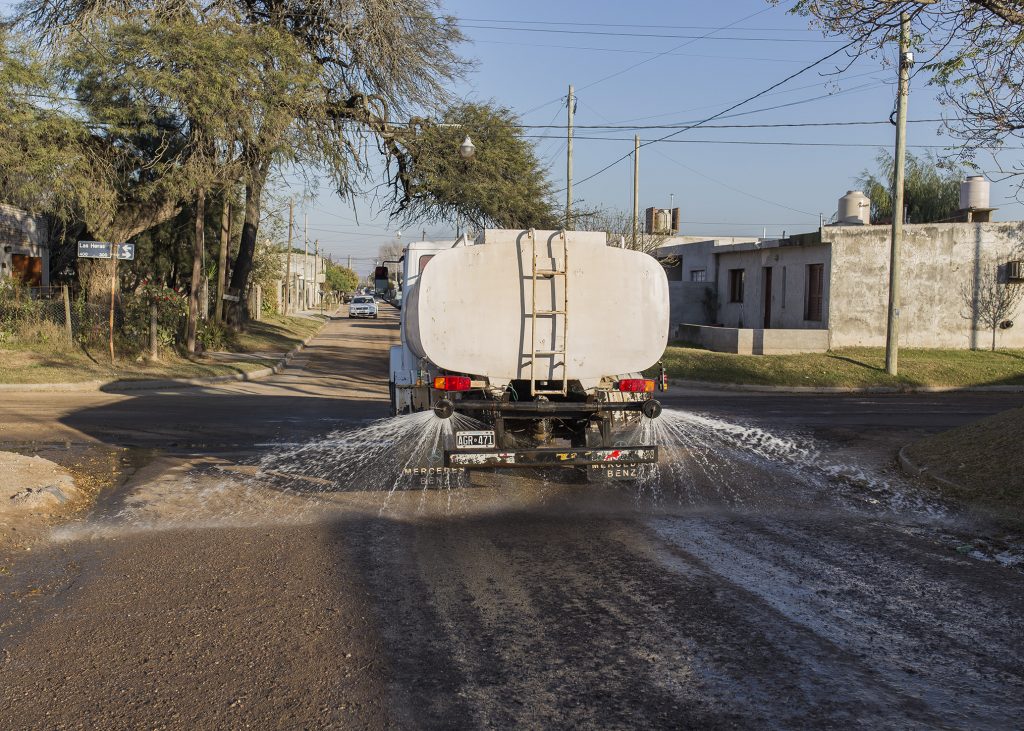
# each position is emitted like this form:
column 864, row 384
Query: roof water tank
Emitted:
column 974, row 193
column 855, row 208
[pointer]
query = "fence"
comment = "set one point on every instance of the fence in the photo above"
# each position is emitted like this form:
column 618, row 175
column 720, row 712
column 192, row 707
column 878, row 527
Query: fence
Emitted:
column 142, row 321
column 36, row 313
column 149, row 319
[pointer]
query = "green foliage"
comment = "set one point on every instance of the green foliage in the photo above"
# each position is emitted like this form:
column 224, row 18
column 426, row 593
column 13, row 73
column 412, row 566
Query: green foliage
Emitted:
column 177, row 101
column 133, row 319
column 47, row 161
column 214, row 335
column 502, row 185
column 340, row 279
column 931, row 190
column 268, row 267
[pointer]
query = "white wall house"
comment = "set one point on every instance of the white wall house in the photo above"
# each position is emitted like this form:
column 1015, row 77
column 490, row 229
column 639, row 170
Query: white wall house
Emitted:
column 24, row 246
column 829, row 288
column 308, row 274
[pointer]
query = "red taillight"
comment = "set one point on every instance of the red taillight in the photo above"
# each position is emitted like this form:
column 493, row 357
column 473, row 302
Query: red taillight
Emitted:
column 452, row 383
column 636, row 385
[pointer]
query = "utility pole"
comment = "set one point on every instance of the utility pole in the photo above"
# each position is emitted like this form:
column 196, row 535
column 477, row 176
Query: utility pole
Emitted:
column 305, row 257
column 349, row 261
column 892, row 333
column 222, row 257
column 317, row 292
column 288, row 258
column 636, row 188
column 568, row 163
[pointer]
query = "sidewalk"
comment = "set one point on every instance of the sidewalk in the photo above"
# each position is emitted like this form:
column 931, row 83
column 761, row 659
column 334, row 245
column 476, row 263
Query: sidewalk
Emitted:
column 282, row 359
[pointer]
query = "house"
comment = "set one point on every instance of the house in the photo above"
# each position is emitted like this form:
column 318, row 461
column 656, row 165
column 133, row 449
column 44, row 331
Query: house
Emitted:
column 24, row 247
column 308, row 274
column 829, row 288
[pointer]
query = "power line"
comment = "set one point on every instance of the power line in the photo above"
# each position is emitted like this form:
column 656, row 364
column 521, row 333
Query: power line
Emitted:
column 633, row 25
column 601, row 49
column 593, row 83
column 647, row 35
column 766, row 142
column 663, row 53
column 735, row 189
column 726, row 110
column 776, row 93
column 778, row 125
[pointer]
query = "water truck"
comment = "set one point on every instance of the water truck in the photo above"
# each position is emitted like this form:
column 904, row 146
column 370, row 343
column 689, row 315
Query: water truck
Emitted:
column 541, row 337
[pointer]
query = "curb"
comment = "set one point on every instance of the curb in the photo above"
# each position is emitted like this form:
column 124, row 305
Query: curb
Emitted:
column 844, row 389
column 119, row 385
column 915, row 470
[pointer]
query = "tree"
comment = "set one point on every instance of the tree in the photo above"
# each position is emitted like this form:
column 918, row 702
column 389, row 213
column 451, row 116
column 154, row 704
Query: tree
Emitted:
column 931, row 189
column 502, row 185
column 619, row 227
column 391, row 251
column 179, row 97
column 973, row 49
column 49, row 160
column 372, row 62
column 340, row 279
column 991, row 300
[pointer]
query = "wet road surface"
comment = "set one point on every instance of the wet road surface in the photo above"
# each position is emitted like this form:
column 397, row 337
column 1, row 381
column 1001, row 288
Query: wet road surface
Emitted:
column 783, row 575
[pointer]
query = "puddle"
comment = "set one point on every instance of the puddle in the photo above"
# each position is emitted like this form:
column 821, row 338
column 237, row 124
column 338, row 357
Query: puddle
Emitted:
column 706, row 464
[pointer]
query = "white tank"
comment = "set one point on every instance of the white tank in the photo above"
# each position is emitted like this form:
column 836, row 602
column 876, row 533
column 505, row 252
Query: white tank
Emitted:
column 974, row 192
column 471, row 310
column 855, row 208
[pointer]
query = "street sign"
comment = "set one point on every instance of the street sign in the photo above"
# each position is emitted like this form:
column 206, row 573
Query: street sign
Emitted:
column 102, row 249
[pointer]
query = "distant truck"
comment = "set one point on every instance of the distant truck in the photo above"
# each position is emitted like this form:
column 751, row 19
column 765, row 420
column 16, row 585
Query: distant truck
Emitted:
column 543, row 336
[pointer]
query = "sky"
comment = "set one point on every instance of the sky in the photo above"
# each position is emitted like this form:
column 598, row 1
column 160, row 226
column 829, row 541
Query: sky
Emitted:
column 662, row 63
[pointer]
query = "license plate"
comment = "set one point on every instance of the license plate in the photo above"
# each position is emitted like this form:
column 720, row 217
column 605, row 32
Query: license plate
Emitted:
column 474, row 440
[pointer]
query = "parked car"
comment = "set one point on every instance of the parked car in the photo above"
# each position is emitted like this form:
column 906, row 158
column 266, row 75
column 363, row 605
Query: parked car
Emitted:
column 363, row 306
column 346, row 297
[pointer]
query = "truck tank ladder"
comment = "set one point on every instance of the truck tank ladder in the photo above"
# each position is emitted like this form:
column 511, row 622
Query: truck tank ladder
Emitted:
column 560, row 310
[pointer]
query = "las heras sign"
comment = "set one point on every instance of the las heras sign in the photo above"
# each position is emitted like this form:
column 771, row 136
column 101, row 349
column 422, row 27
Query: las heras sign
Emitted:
column 102, row 250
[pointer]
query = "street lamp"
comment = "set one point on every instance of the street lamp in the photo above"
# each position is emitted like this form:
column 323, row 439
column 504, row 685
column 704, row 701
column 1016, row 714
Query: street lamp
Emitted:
column 467, row 149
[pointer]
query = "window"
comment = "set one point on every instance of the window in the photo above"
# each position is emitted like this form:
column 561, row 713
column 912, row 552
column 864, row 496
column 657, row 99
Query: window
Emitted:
column 698, row 275
column 736, row 285
column 783, row 287
column 424, row 259
column 815, row 291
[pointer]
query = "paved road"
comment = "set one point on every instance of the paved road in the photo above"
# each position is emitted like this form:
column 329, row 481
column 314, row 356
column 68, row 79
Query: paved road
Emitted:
column 777, row 574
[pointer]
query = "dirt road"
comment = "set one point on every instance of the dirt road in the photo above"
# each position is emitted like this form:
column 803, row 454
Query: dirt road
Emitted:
column 784, row 576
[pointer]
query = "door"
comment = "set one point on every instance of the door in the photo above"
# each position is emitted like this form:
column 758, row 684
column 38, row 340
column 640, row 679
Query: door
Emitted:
column 27, row 269
column 767, row 289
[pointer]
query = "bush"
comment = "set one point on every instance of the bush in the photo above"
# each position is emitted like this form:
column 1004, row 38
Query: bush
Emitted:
column 133, row 323
column 29, row 317
column 213, row 335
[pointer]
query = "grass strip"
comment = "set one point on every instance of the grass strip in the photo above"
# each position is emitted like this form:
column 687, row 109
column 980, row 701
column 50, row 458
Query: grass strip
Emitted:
column 849, row 368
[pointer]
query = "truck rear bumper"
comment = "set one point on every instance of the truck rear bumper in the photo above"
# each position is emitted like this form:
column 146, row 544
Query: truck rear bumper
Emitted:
column 547, row 409
column 550, row 457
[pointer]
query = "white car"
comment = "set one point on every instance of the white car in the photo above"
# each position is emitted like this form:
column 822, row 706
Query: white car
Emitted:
column 362, row 306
